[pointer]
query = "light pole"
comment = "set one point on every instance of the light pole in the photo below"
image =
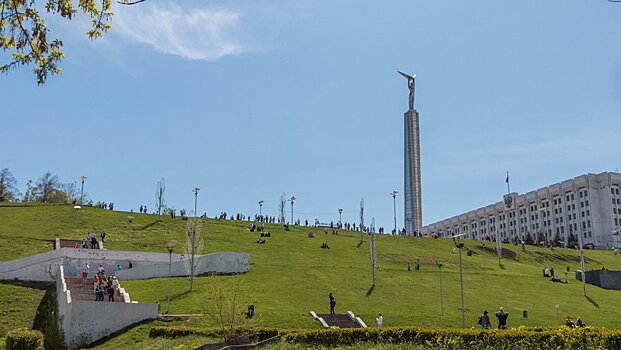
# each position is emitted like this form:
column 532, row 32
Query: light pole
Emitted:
column 394, row 208
column 292, row 200
column 82, row 179
column 170, row 245
column 77, row 216
column 461, row 279
column 261, row 208
column 616, row 246
column 441, row 296
column 340, row 217
column 483, row 246
column 130, row 219
column 542, row 212
column 582, row 262
column 195, row 191
column 498, row 244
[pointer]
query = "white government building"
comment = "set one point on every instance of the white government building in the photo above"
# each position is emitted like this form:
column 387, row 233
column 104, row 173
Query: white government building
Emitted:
column 588, row 204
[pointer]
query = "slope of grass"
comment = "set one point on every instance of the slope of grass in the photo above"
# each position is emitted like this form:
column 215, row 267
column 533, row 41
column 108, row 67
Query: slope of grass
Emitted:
column 291, row 274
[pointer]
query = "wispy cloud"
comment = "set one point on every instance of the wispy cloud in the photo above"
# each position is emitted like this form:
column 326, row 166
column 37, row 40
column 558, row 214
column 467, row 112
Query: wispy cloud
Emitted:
column 194, row 34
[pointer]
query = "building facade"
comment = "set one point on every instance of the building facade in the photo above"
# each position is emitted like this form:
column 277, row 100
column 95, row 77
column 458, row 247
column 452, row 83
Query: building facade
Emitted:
column 589, row 205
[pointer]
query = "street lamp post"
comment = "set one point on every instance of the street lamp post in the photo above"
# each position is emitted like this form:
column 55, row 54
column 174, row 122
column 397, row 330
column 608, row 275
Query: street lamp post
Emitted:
column 542, row 212
column 292, row 200
column 340, row 217
column 582, row 262
column 441, row 296
column 82, row 179
column 483, row 246
column 459, row 246
column 394, row 208
column 261, row 208
column 170, row 245
column 193, row 250
column 77, row 216
column 130, row 219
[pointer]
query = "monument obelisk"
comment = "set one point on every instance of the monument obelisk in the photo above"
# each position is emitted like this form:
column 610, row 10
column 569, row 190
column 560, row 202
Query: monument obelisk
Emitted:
column 412, row 198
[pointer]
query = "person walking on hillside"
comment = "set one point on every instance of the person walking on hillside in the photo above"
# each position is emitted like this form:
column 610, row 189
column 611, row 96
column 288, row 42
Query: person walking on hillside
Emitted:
column 380, row 321
column 484, row 321
column 332, row 304
column 502, row 318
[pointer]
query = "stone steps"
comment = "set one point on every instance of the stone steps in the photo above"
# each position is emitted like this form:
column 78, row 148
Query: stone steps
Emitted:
column 341, row 321
column 84, row 291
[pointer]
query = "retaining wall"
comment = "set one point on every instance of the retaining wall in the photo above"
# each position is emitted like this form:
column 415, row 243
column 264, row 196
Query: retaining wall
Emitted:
column 84, row 322
column 225, row 262
column 43, row 267
column 603, row 278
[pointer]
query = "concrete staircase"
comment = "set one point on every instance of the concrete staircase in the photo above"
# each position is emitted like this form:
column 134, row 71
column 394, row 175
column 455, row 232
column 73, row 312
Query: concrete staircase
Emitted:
column 348, row 320
column 84, row 291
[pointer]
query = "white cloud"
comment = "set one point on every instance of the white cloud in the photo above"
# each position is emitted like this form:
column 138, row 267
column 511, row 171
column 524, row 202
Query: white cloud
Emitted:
column 194, row 34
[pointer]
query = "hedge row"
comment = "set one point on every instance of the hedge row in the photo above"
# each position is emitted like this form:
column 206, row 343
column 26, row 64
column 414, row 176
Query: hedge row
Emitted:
column 24, row 339
column 255, row 334
column 518, row 338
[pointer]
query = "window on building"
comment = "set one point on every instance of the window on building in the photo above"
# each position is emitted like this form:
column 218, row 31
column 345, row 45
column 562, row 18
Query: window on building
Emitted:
column 580, row 194
column 589, row 223
column 586, row 203
column 588, row 212
column 573, row 206
column 617, row 190
column 572, row 196
column 582, row 213
column 574, row 216
column 581, row 204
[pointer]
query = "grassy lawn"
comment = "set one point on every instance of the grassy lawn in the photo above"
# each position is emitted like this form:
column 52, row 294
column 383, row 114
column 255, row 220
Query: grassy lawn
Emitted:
column 291, row 274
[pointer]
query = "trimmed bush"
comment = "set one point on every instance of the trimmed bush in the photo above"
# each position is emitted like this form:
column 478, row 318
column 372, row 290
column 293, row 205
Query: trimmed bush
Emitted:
column 24, row 339
column 172, row 332
column 518, row 338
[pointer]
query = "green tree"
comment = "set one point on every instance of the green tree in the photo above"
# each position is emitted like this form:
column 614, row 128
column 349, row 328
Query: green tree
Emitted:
column 24, row 33
column 8, row 186
column 47, row 189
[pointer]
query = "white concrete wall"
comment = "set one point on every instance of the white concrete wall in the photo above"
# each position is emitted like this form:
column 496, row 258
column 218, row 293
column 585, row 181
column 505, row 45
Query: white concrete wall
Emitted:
column 43, row 267
column 84, row 322
column 226, row 262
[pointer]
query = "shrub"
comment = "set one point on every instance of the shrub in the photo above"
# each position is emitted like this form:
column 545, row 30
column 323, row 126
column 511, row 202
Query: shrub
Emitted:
column 255, row 334
column 24, row 339
column 519, row 338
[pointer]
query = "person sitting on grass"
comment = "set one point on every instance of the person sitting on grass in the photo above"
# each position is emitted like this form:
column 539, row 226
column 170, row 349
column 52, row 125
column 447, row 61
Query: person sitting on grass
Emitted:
column 569, row 323
column 579, row 323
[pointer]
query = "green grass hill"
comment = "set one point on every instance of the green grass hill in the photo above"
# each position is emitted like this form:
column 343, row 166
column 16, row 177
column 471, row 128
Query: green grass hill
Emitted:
column 291, row 275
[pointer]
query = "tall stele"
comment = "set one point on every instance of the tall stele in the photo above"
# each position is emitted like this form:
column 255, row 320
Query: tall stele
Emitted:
column 412, row 198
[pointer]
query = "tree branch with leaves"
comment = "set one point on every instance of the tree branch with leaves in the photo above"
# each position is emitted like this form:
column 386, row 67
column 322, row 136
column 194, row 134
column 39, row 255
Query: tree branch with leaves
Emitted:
column 24, row 34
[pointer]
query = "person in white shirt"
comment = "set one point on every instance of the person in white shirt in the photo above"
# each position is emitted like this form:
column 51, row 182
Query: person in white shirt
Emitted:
column 380, row 321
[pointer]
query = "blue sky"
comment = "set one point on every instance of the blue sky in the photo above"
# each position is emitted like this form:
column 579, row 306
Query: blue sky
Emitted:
column 250, row 99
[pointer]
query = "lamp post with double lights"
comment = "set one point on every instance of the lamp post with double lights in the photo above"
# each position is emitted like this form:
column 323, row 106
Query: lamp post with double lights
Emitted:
column 459, row 246
column 82, row 179
column 292, row 200
column 340, row 217
column 169, row 246
column 261, row 208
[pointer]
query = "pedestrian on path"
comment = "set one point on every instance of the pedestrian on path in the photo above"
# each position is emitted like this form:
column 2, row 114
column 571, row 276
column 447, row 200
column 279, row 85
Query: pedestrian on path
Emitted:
column 380, row 321
column 332, row 304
